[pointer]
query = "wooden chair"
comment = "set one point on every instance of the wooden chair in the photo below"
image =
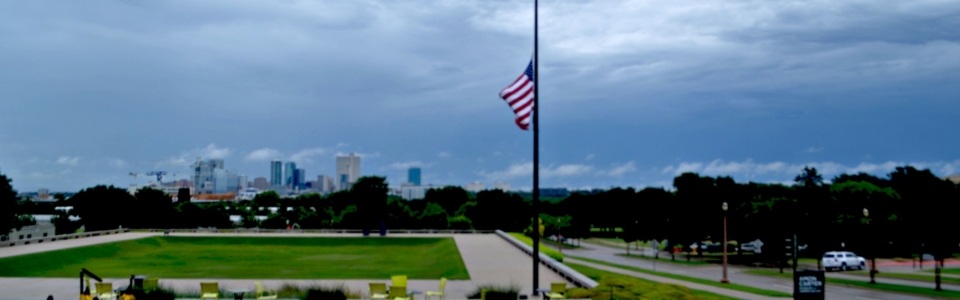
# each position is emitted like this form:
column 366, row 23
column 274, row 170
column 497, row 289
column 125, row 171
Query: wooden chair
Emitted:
column 443, row 285
column 378, row 290
column 209, row 290
column 263, row 294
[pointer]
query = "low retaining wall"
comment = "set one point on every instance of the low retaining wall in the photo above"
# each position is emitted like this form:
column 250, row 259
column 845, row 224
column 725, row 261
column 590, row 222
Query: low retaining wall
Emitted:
column 295, row 231
column 61, row 237
column 564, row 271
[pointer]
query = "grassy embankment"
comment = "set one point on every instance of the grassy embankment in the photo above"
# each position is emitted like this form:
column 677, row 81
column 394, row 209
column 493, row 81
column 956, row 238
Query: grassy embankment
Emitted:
column 552, row 253
column 715, row 283
column 627, row 287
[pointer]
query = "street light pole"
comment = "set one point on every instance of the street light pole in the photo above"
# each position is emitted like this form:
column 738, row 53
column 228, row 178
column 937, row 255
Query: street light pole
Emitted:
column 559, row 237
column 873, row 257
column 724, row 280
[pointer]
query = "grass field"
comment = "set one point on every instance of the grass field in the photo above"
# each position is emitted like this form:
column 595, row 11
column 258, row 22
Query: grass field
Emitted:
column 908, row 276
column 715, row 283
column 948, row 271
column 250, row 257
column 667, row 260
column 905, row 289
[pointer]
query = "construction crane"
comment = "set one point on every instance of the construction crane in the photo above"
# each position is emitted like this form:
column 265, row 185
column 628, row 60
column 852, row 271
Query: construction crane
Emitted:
column 159, row 175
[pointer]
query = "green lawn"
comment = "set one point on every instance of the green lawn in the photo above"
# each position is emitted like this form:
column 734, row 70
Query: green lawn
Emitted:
column 667, row 260
column 908, row 276
column 948, row 271
column 715, row 283
column 628, row 287
column 250, row 257
column 905, row 289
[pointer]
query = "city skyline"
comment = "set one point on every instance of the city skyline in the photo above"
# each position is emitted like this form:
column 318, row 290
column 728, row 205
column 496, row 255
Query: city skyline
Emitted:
column 629, row 99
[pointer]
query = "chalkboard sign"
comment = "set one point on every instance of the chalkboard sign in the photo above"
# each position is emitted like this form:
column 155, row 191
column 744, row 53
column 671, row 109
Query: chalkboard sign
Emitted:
column 808, row 284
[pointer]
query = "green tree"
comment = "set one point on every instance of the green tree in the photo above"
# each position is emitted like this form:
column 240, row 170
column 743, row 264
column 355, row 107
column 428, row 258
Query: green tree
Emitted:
column 370, row 195
column 451, row 198
column 809, row 177
column 156, row 207
column 8, row 205
column 104, row 207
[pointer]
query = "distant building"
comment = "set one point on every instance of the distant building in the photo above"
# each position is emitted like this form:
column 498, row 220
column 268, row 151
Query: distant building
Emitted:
column 248, row 194
column 503, row 186
column 276, row 173
column 41, row 229
column 300, row 178
column 43, row 194
column 261, row 183
column 475, row 187
column 288, row 172
column 412, row 192
column 203, row 172
column 955, row 179
column 225, row 182
column 244, row 184
column 348, row 171
column 325, row 184
column 413, row 175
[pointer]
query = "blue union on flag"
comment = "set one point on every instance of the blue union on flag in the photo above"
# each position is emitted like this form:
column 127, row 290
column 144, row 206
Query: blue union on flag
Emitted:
column 519, row 95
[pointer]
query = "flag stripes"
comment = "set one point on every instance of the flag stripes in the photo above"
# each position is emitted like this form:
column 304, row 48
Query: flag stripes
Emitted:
column 519, row 95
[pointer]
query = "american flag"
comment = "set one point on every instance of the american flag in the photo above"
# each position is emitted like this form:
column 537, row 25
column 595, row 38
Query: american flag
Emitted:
column 519, row 95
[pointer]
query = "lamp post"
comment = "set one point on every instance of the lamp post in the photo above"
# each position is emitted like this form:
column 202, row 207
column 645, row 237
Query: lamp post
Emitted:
column 724, row 280
column 559, row 237
column 873, row 258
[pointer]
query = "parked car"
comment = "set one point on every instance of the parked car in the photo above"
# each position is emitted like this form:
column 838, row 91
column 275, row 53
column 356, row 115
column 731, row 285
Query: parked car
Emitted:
column 843, row 260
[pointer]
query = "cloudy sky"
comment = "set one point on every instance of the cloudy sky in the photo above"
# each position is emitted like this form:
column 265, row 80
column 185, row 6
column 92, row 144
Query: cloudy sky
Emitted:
column 632, row 92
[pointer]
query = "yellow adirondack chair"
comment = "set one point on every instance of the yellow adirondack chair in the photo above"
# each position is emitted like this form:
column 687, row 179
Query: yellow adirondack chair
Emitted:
column 263, row 294
column 443, row 285
column 209, row 290
column 151, row 283
column 399, row 293
column 399, row 280
column 104, row 290
column 378, row 290
column 558, row 290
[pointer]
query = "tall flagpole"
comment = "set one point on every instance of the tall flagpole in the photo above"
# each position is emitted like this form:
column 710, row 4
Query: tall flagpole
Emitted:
column 536, row 152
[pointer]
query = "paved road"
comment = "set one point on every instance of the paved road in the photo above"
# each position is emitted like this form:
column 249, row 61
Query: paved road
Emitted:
column 735, row 274
column 489, row 259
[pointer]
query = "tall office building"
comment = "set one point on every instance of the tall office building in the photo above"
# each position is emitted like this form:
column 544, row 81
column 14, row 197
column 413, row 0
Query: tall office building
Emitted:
column 348, row 171
column 225, row 181
column 299, row 179
column 243, row 182
column 276, row 173
column 288, row 170
column 413, row 176
column 325, row 184
column 203, row 174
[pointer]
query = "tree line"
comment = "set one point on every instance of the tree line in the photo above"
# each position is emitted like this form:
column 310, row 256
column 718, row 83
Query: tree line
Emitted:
column 909, row 211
